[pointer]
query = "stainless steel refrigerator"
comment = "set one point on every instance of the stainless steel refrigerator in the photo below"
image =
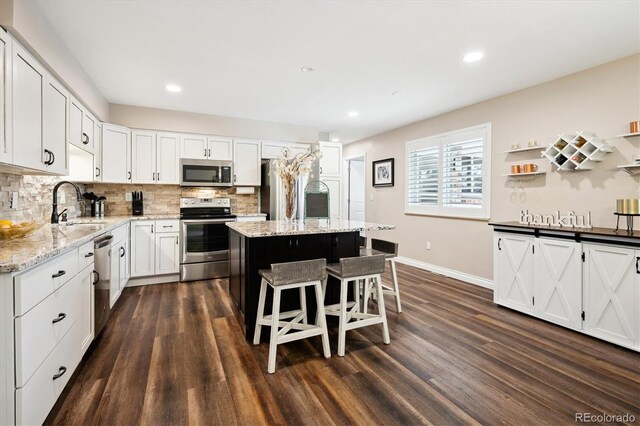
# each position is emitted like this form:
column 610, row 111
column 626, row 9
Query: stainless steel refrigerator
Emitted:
column 272, row 191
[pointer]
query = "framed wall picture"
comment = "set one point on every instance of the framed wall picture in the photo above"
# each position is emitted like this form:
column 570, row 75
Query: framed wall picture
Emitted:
column 383, row 172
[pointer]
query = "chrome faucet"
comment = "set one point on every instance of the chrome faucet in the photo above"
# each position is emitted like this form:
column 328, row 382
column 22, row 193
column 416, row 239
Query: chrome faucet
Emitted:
column 54, row 213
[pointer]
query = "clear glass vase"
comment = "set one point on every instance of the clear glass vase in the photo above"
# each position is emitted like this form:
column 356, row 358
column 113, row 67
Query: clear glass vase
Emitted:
column 290, row 199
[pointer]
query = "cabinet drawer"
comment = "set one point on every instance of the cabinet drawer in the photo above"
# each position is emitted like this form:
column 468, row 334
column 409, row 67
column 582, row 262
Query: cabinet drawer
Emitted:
column 36, row 284
column 120, row 232
column 85, row 256
column 40, row 329
column 35, row 399
column 167, row 226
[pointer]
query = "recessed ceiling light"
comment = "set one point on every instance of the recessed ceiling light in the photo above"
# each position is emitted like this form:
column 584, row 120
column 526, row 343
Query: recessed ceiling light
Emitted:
column 174, row 88
column 473, row 56
column 307, row 69
column 335, row 140
column 353, row 113
column 398, row 93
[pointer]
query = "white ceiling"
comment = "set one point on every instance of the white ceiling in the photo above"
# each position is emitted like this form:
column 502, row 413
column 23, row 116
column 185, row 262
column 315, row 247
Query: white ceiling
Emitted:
column 243, row 58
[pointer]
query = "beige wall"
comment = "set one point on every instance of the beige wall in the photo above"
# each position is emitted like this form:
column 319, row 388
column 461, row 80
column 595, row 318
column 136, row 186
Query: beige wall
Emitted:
column 602, row 100
column 24, row 21
column 178, row 121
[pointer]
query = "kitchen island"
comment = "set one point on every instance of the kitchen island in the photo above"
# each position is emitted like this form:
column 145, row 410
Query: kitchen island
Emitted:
column 256, row 245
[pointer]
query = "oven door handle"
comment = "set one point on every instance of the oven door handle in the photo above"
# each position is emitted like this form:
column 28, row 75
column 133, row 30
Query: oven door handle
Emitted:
column 207, row 221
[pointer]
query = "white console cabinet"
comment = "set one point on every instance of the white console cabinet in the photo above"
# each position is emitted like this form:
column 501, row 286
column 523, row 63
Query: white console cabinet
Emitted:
column 593, row 287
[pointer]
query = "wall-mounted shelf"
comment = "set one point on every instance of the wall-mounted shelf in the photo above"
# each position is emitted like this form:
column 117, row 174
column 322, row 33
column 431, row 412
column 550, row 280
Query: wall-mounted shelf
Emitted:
column 529, row 148
column 632, row 169
column 579, row 151
column 629, row 135
column 524, row 176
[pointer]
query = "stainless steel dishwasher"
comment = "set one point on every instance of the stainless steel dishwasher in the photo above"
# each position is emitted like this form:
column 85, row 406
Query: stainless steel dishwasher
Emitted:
column 102, row 307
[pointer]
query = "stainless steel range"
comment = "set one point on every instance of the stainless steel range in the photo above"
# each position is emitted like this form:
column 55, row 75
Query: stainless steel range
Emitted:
column 205, row 238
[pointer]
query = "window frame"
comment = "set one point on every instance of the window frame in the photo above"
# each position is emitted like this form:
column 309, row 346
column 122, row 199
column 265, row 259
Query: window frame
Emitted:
column 440, row 140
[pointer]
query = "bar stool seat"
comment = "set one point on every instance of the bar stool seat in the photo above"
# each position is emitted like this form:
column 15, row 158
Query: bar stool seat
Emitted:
column 284, row 276
column 390, row 251
column 355, row 269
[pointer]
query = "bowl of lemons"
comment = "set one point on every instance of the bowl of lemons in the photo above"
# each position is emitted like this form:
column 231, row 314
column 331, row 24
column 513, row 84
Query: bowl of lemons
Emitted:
column 10, row 230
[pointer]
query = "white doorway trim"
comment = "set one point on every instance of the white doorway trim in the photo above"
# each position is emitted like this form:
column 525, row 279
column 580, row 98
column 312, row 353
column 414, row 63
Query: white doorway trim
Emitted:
column 346, row 183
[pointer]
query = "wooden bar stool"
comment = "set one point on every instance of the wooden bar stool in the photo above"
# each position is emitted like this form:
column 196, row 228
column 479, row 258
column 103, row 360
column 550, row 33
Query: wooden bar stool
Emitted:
column 283, row 276
column 354, row 269
column 390, row 251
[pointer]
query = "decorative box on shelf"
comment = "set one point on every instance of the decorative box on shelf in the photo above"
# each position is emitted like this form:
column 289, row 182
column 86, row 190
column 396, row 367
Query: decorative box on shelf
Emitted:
column 577, row 151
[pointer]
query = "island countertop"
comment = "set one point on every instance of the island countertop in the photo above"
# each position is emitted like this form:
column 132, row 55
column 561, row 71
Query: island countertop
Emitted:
column 274, row 228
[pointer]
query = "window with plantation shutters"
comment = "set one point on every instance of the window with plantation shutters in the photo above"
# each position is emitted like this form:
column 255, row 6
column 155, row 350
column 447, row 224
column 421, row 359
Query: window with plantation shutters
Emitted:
column 448, row 174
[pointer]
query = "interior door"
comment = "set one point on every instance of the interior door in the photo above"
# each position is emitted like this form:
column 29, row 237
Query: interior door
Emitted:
column 56, row 127
column 168, row 162
column 513, row 269
column 143, row 156
column 116, row 154
column 193, row 146
column 612, row 293
column 559, row 281
column 356, row 190
column 28, row 89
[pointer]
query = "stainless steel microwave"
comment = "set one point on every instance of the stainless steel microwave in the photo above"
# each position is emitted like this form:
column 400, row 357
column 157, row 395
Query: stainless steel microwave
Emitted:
column 205, row 173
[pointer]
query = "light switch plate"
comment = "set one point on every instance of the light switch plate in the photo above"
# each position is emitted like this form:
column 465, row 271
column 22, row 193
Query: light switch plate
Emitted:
column 128, row 196
column 61, row 197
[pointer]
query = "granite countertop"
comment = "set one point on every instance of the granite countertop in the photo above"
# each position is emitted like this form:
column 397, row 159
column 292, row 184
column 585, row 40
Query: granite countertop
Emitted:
column 249, row 214
column 274, row 228
column 51, row 240
column 595, row 231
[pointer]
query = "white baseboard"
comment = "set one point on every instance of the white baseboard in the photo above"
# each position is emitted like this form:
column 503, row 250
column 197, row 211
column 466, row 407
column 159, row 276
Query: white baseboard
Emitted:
column 462, row 276
column 154, row 279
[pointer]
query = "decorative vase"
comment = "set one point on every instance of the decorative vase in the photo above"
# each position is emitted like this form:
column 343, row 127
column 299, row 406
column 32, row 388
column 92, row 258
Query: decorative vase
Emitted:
column 290, row 198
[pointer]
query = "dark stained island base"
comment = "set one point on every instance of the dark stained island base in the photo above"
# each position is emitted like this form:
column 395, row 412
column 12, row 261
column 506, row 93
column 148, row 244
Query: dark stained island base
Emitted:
column 256, row 245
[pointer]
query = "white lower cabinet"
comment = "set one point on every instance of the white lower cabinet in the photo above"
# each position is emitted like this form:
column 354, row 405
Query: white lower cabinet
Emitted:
column 593, row 288
column 155, row 248
column 119, row 255
column 612, row 294
column 87, row 278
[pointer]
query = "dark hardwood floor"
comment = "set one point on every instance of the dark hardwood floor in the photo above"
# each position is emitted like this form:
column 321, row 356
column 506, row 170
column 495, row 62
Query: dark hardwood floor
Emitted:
column 175, row 354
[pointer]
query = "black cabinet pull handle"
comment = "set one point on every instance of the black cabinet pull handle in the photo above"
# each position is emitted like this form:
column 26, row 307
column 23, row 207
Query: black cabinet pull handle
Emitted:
column 61, row 316
column 297, row 243
column 97, row 278
column 637, row 261
column 290, row 243
column 158, row 177
column 499, row 239
column 167, row 226
column 53, row 158
column 205, row 152
column 122, row 252
column 97, row 171
column 129, row 175
column 152, row 229
column 209, row 152
column 90, row 254
column 59, row 274
column 48, row 161
column 177, row 240
column 61, row 370
column 85, row 138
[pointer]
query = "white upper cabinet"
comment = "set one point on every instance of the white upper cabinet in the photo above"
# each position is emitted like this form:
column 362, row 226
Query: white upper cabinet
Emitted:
column 273, row 149
column 116, row 154
column 219, row 148
column 56, row 127
column 193, row 146
column 246, row 162
column 143, row 156
column 167, row 158
column 88, row 131
column 28, row 100
column 76, row 112
column 5, row 91
column 335, row 195
column 331, row 161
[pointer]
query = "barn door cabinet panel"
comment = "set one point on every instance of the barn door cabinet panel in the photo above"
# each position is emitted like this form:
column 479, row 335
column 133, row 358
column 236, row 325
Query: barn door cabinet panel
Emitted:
column 513, row 271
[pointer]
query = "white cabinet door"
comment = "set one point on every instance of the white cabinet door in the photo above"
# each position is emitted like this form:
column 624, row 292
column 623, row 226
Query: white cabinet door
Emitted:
column 220, row 148
column 143, row 156
column 513, row 271
column 167, row 253
column 331, row 161
column 273, row 149
column 612, row 294
column 28, row 90
column 6, row 155
column 558, row 285
column 246, row 162
column 76, row 112
column 193, row 146
column 335, row 197
column 123, row 254
column 142, row 248
column 55, row 127
column 167, row 158
column 88, row 129
column 97, row 155
column 114, row 283
column 86, row 308
column 116, row 154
